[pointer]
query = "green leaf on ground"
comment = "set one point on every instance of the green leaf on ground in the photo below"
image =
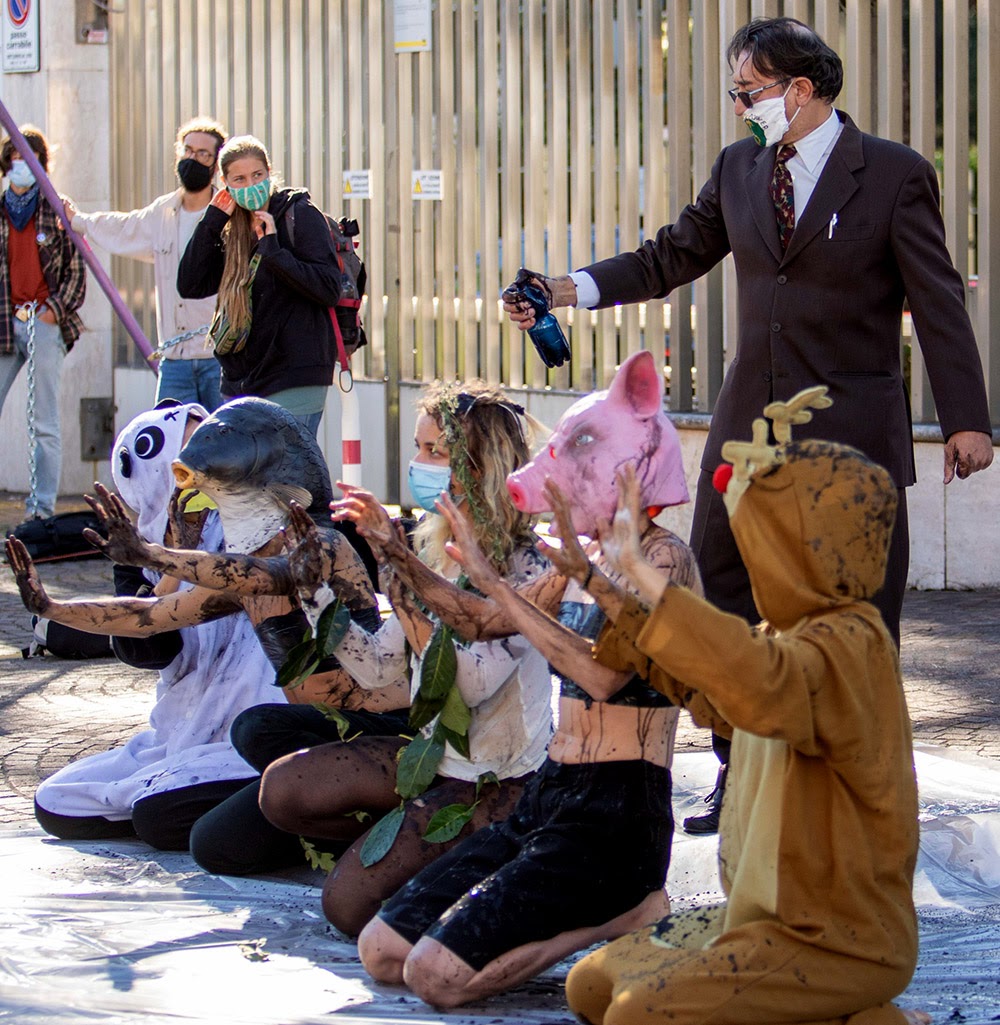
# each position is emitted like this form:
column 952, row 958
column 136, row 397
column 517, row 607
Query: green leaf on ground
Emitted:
column 253, row 950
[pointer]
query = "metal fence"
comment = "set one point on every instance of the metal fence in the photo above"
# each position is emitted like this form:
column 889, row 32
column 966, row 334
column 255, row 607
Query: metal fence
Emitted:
column 563, row 131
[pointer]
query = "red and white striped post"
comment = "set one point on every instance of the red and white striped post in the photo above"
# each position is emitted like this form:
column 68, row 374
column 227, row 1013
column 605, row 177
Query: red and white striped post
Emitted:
column 350, row 434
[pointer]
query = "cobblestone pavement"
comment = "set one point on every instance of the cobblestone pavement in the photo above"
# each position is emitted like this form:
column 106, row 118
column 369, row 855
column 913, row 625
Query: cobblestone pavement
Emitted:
column 53, row 711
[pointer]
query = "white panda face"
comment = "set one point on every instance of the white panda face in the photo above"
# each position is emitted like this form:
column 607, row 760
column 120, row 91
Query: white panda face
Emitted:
column 147, row 444
column 141, row 463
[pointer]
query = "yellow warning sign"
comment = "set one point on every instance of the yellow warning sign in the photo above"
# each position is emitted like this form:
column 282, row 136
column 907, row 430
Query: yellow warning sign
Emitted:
column 427, row 185
column 358, row 184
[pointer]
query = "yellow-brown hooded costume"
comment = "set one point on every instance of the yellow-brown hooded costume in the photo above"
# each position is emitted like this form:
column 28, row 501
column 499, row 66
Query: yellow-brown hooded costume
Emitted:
column 818, row 837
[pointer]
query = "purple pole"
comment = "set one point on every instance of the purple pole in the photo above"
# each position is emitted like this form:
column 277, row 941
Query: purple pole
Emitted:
column 129, row 322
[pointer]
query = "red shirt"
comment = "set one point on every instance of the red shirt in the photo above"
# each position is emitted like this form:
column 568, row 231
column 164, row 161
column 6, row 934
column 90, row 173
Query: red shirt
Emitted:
column 27, row 281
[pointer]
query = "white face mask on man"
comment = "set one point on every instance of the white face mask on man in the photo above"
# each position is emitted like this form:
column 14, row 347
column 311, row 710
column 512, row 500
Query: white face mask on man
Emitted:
column 768, row 121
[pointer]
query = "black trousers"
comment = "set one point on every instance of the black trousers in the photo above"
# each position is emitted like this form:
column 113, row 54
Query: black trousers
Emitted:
column 163, row 821
column 727, row 583
column 264, row 733
column 234, row 838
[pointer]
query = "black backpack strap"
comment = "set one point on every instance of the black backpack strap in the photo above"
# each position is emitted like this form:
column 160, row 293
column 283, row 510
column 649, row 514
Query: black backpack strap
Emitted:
column 289, row 217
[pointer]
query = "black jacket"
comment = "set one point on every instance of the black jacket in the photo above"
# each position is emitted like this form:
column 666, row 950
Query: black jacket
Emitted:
column 291, row 341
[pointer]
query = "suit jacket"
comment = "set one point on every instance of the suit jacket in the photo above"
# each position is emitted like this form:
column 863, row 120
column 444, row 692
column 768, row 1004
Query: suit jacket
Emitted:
column 828, row 310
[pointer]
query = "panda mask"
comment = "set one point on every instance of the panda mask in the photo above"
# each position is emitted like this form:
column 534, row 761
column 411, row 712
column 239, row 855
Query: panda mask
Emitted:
column 141, row 462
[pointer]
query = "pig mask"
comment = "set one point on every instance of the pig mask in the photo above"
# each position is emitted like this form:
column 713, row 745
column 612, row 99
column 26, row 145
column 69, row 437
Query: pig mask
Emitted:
column 597, row 436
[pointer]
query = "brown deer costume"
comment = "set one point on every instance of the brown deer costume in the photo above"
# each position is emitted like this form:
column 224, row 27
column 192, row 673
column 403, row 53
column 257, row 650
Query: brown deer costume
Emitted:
column 819, row 824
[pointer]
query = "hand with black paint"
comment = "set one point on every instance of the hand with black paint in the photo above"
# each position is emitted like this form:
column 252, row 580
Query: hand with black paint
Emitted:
column 26, row 576
column 124, row 544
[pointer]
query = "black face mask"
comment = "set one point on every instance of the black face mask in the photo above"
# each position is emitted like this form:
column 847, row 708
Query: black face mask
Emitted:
column 193, row 175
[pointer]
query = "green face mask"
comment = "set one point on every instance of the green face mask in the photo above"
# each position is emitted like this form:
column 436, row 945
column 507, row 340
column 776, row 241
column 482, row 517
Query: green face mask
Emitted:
column 252, row 197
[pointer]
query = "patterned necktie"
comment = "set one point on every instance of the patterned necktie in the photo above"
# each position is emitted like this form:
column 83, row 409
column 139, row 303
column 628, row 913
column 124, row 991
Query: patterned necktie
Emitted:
column 783, row 196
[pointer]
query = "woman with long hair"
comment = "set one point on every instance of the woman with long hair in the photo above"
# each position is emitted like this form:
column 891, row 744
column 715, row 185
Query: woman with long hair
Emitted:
column 583, row 857
column 268, row 252
column 480, row 733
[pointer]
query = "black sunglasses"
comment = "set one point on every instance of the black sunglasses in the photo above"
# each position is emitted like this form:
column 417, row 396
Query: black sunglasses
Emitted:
column 746, row 98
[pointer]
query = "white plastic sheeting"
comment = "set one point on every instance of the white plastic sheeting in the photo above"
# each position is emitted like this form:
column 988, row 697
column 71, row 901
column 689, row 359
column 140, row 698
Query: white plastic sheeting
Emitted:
column 115, row 933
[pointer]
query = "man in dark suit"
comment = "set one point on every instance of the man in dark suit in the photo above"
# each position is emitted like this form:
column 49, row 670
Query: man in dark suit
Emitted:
column 831, row 230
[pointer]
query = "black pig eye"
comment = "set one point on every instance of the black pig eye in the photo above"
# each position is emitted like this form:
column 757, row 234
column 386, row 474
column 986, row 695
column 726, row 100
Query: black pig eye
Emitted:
column 149, row 443
column 125, row 462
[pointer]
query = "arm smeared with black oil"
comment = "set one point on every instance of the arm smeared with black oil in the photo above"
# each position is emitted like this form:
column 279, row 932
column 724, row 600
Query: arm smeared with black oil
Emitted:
column 238, row 574
column 124, row 617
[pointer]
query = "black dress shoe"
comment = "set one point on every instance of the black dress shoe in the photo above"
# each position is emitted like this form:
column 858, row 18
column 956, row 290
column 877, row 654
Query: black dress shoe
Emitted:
column 704, row 825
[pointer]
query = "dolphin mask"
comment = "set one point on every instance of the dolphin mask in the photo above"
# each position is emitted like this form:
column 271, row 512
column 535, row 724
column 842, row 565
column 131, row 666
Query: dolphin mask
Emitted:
column 252, row 457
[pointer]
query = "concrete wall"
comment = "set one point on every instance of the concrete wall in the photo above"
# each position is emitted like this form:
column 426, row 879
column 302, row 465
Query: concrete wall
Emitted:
column 953, row 529
column 68, row 99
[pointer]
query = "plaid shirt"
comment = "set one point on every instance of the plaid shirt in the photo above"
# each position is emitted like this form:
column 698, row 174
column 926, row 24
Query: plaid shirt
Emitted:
column 64, row 270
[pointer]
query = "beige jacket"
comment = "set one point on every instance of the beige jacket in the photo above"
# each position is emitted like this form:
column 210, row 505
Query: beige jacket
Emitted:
column 152, row 235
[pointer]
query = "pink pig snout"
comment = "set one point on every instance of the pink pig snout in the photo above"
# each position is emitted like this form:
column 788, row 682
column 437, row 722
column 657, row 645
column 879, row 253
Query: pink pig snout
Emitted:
column 525, row 489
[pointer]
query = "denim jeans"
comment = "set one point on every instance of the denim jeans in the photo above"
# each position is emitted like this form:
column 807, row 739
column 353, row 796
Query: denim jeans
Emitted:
column 190, row 380
column 50, row 352
column 311, row 421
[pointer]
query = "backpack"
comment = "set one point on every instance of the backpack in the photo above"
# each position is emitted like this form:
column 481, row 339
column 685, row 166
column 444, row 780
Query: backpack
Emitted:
column 353, row 280
column 345, row 314
column 59, row 536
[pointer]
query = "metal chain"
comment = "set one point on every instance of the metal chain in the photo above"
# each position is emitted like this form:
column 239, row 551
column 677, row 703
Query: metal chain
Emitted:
column 177, row 339
column 31, row 505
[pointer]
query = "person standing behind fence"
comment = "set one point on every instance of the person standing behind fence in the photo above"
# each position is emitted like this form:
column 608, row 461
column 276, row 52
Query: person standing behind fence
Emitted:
column 42, row 285
column 268, row 253
column 159, row 234
column 831, row 229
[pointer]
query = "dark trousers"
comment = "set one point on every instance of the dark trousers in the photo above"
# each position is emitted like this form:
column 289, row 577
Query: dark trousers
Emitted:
column 727, row 584
column 234, row 838
column 163, row 821
column 264, row 733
